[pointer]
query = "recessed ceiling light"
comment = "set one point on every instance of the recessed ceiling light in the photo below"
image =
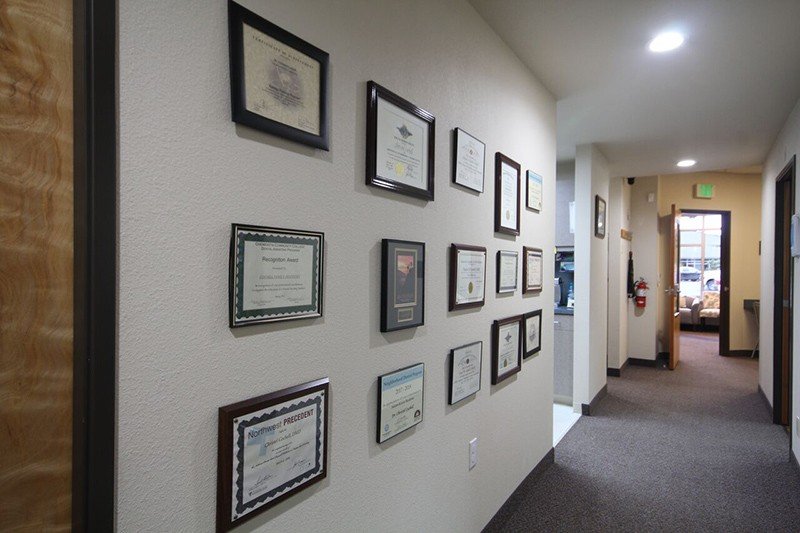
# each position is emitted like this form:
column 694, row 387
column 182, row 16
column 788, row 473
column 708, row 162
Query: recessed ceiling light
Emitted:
column 687, row 163
column 664, row 42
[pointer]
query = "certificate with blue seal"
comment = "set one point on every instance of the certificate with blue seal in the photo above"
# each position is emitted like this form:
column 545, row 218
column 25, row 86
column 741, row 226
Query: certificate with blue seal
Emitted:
column 270, row 448
column 400, row 395
column 275, row 274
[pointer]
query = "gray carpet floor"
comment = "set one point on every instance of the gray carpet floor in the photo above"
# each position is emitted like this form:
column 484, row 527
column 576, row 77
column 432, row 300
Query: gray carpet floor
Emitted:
column 686, row 450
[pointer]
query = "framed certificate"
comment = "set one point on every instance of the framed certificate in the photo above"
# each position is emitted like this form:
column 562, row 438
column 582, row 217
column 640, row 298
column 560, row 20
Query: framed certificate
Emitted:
column 467, row 276
column 469, row 160
column 465, row 371
column 279, row 82
column 534, row 196
column 400, row 401
column 532, row 269
column 506, row 348
column 275, row 274
column 400, row 142
column 507, row 271
column 506, row 195
column 270, row 448
column 599, row 217
column 533, row 333
column 402, row 284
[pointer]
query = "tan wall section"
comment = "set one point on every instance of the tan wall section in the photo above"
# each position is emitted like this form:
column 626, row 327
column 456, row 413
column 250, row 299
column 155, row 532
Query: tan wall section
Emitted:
column 35, row 265
column 739, row 194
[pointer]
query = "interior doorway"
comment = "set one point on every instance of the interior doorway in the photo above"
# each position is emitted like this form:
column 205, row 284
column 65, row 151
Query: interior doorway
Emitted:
column 782, row 311
column 704, row 276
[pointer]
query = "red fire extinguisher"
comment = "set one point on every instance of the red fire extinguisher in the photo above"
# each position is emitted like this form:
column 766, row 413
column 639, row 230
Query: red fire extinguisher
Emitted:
column 640, row 293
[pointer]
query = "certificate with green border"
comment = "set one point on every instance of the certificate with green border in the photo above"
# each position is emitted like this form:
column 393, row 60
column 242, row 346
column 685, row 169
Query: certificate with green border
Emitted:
column 275, row 274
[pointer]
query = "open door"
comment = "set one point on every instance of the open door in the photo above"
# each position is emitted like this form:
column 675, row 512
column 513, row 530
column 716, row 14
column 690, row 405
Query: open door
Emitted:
column 674, row 290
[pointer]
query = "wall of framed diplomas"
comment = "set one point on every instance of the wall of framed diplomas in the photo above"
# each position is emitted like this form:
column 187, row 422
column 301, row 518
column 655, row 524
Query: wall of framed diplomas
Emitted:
column 323, row 294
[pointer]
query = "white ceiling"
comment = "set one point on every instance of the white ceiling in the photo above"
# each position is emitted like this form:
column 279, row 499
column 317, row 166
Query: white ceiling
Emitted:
column 721, row 98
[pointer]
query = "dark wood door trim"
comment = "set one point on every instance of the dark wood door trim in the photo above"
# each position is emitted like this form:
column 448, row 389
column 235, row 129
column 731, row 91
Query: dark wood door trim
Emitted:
column 725, row 268
column 95, row 311
column 785, row 184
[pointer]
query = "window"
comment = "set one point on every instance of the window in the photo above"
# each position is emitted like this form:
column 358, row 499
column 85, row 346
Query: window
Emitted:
column 700, row 254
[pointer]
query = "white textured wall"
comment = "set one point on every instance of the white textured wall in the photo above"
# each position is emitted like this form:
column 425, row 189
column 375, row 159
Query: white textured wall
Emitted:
column 786, row 145
column 643, row 322
column 591, row 276
column 619, row 204
column 565, row 193
column 187, row 172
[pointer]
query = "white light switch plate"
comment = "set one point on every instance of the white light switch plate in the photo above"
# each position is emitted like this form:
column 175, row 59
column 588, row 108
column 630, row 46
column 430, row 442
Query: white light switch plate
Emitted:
column 797, row 426
column 473, row 453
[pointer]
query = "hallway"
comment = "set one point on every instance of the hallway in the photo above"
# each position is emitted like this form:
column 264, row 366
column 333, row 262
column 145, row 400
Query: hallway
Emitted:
column 687, row 450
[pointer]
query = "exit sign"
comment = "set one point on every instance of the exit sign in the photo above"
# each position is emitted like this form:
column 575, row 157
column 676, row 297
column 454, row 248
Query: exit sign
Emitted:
column 704, row 190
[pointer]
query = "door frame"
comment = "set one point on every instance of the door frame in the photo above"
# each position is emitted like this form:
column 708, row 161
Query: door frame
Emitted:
column 95, row 263
column 725, row 274
column 786, row 176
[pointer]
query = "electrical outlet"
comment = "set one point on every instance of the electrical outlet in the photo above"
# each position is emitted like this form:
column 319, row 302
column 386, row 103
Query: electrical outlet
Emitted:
column 473, row 453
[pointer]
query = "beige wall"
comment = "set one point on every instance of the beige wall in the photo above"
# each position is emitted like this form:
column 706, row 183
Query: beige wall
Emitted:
column 739, row 194
column 187, row 172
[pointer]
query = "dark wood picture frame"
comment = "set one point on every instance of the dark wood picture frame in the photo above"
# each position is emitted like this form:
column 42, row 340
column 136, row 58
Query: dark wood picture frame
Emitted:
column 498, row 288
column 237, row 16
column 375, row 92
column 233, row 288
column 532, row 350
column 457, row 132
column 454, row 251
column 453, row 372
column 599, row 217
column 389, row 286
column 499, row 161
column 496, row 326
column 227, row 417
column 380, row 403
column 526, row 250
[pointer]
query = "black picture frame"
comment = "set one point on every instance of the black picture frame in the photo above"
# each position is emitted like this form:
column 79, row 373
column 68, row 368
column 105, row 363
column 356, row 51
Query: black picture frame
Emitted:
column 416, row 419
column 458, row 133
column 497, row 326
column 532, row 346
column 499, row 289
column 454, row 363
column 376, row 92
column 500, row 160
column 399, row 310
column 599, row 217
column 533, row 179
column 237, row 17
column 317, row 393
column 532, row 287
column 238, row 316
column 455, row 250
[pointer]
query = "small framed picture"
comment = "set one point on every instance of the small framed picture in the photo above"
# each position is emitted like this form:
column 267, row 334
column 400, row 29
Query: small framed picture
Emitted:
column 533, row 333
column 279, row 82
column 506, row 195
column 400, row 142
column 465, row 371
column 270, row 448
column 400, row 401
column 599, row 217
column 274, row 274
column 506, row 348
column 507, row 271
column 402, row 284
column 467, row 276
column 534, row 196
column 469, row 160
column 532, row 269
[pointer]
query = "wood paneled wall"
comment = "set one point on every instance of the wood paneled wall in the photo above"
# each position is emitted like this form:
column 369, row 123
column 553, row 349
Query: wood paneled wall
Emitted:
column 36, row 264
